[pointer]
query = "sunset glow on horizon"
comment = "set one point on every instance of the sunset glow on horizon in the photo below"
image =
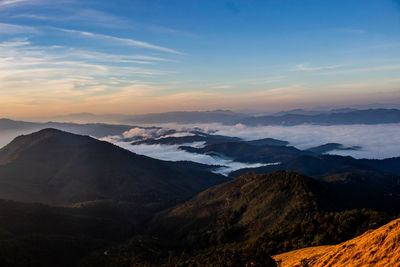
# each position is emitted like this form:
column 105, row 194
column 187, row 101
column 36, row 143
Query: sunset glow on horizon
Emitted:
column 68, row 56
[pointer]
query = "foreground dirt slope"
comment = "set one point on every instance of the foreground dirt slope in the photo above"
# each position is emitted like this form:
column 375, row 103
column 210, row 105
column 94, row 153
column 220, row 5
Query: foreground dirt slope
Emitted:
column 380, row 247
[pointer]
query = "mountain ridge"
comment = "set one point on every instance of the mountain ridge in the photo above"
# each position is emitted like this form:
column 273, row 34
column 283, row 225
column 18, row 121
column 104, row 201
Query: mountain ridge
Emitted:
column 55, row 167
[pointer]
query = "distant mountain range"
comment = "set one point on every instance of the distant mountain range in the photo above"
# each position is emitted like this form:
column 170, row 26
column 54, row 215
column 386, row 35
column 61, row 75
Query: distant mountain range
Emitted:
column 266, row 150
column 93, row 129
column 323, row 165
column 290, row 117
column 330, row 147
column 182, row 117
column 369, row 116
column 208, row 139
column 191, row 137
column 248, row 153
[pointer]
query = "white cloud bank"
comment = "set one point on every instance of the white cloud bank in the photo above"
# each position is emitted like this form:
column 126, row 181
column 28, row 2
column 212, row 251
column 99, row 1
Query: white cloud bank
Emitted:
column 377, row 141
column 173, row 153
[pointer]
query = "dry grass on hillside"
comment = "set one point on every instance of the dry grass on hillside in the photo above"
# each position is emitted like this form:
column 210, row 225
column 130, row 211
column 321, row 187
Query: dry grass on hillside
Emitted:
column 380, row 247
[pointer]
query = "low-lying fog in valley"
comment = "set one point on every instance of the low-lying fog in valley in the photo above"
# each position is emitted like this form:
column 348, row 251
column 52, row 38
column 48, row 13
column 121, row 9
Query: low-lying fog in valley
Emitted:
column 376, row 141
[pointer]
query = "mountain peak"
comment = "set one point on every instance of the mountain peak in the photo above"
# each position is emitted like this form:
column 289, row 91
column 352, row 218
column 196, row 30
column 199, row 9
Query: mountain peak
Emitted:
column 55, row 167
column 44, row 140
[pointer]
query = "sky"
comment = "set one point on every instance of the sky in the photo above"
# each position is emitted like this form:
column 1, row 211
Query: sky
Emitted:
column 141, row 56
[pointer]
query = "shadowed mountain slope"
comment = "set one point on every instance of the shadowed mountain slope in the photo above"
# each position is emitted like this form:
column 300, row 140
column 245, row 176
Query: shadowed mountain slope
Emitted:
column 55, row 167
column 361, row 184
column 252, row 204
column 243, row 208
column 33, row 234
column 248, row 218
column 323, row 165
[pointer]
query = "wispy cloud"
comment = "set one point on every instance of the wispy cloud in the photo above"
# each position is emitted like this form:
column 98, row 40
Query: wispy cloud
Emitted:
column 117, row 58
column 305, row 67
column 163, row 29
column 82, row 17
column 123, row 41
column 17, row 29
column 34, row 76
column 11, row 2
column 370, row 84
column 224, row 86
column 368, row 69
column 260, row 81
column 18, row 3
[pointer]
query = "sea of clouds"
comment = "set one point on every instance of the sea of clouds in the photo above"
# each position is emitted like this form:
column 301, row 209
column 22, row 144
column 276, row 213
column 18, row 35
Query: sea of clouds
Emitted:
column 173, row 153
column 376, row 141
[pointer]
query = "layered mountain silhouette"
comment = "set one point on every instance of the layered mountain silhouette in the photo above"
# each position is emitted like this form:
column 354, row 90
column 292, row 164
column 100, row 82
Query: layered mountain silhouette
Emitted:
column 249, row 152
column 331, row 146
column 209, row 139
column 55, row 167
column 187, row 117
column 367, row 116
column 363, row 115
column 194, row 136
column 323, row 165
column 92, row 129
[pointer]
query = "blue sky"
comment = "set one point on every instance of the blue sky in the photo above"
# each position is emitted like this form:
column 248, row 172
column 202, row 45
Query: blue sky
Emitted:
column 150, row 56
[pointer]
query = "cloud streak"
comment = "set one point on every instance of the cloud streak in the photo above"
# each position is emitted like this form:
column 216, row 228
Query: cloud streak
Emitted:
column 13, row 29
column 123, row 41
column 368, row 69
column 305, row 67
column 10, row 2
column 36, row 76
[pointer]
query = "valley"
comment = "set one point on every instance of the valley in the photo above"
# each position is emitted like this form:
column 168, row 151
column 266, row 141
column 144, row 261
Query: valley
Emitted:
column 182, row 212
